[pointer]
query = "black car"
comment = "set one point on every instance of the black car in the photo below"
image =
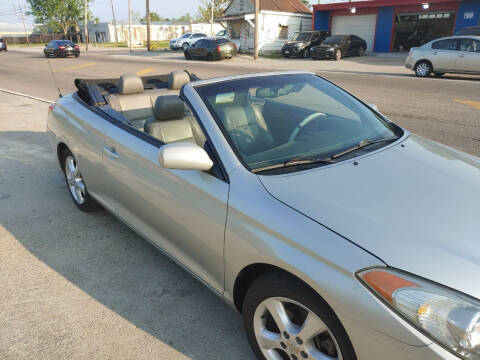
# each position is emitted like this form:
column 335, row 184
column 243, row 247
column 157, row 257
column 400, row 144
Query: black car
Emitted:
column 339, row 46
column 215, row 48
column 61, row 48
column 302, row 42
column 3, row 45
column 474, row 30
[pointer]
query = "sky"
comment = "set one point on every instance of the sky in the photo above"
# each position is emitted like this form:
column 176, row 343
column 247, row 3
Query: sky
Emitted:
column 102, row 9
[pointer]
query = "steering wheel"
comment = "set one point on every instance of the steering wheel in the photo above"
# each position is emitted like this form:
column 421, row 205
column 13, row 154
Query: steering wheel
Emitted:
column 303, row 123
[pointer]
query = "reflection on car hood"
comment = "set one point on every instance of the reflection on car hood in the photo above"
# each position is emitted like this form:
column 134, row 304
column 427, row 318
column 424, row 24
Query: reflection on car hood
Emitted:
column 416, row 207
column 323, row 45
column 295, row 42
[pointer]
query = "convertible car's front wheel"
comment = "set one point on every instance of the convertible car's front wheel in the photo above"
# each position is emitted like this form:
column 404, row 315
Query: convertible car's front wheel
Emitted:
column 76, row 184
column 285, row 319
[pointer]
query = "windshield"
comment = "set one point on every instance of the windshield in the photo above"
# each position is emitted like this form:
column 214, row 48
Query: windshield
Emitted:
column 334, row 40
column 185, row 35
column 304, row 36
column 270, row 120
column 64, row 42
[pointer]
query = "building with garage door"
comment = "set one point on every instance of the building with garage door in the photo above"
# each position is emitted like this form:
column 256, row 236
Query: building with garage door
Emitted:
column 397, row 25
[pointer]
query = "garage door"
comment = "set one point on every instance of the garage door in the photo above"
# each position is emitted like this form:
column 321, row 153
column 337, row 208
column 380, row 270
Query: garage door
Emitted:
column 360, row 25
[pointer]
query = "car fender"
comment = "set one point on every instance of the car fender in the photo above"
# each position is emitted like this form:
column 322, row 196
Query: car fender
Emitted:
column 262, row 230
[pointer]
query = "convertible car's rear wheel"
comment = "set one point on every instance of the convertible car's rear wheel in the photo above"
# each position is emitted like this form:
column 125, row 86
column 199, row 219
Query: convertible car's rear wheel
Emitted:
column 76, row 184
column 285, row 319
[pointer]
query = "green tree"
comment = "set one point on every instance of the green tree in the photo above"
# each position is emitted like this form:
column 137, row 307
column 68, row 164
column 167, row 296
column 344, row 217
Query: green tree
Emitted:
column 306, row 3
column 58, row 15
column 204, row 10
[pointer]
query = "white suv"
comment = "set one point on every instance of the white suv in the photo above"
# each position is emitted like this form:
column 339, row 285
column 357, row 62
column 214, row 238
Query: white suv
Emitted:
column 186, row 40
column 457, row 54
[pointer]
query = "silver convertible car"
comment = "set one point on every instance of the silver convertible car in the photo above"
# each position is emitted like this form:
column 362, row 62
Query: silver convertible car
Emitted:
column 336, row 233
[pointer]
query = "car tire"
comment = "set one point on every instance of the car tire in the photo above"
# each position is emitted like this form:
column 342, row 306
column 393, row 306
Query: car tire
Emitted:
column 77, row 55
column 210, row 57
column 184, row 46
column 438, row 74
column 361, row 51
column 295, row 300
column 75, row 184
column 305, row 53
column 338, row 55
column 46, row 55
column 187, row 56
column 423, row 69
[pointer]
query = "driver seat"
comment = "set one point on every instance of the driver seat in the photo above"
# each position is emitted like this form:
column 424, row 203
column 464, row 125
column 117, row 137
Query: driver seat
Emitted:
column 246, row 126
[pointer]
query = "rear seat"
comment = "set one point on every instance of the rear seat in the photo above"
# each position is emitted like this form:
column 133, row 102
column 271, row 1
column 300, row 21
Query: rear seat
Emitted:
column 136, row 104
column 169, row 123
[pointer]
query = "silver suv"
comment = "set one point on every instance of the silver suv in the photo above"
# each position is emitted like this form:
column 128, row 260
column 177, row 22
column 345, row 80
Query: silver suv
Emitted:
column 459, row 54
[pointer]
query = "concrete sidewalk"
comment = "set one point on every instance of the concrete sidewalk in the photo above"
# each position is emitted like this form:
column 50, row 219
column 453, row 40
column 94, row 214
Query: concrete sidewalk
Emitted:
column 84, row 286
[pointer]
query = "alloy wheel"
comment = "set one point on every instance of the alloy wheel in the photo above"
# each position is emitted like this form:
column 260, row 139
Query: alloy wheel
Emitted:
column 285, row 329
column 74, row 180
column 184, row 46
column 361, row 51
column 423, row 69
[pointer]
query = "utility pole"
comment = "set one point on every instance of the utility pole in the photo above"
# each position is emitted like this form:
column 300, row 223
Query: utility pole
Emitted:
column 257, row 26
column 114, row 21
column 22, row 12
column 147, row 15
column 85, row 23
column 211, row 19
column 130, row 24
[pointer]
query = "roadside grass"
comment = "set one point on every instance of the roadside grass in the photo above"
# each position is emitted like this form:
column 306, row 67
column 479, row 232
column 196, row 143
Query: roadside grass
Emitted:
column 271, row 55
column 155, row 44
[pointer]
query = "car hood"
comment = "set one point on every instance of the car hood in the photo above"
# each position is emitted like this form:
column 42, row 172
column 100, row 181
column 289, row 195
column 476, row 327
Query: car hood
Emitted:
column 296, row 42
column 329, row 45
column 415, row 206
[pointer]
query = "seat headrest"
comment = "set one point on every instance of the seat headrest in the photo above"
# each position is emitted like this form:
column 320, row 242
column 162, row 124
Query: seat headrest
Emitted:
column 169, row 107
column 176, row 79
column 130, row 84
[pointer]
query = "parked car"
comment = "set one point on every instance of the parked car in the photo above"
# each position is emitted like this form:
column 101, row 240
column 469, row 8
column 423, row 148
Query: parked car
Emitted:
column 186, row 40
column 474, row 31
column 215, row 48
column 457, row 54
column 61, row 48
column 336, row 233
column 3, row 45
column 339, row 46
column 302, row 42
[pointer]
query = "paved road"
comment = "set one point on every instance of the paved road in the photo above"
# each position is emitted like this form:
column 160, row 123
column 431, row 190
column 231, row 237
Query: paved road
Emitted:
column 446, row 110
column 82, row 286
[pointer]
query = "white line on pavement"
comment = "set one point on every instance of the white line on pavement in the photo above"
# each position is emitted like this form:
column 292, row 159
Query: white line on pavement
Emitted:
column 26, row 95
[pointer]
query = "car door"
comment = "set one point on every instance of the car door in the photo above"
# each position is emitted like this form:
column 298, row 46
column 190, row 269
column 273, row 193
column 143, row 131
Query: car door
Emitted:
column 468, row 57
column 443, row 55
column 196, row 49
column 49, row 48
column 181, row 211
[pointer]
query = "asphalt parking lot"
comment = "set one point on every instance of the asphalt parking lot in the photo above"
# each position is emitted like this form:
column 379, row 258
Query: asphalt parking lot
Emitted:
column 84, row 286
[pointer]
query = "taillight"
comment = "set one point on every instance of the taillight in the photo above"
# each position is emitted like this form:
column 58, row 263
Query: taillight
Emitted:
column 51, row 107
column 219, row 49
column 61, row 48
column 76, row 47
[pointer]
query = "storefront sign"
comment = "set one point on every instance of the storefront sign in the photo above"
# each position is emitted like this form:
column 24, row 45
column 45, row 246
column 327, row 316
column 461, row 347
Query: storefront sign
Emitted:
column 468, row 15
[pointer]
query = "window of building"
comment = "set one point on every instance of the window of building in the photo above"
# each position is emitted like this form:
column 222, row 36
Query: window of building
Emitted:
column 235, row 27
column 283, row 32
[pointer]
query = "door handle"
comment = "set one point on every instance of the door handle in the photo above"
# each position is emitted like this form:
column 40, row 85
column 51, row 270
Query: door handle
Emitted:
column 435, row 53
column 111, row 153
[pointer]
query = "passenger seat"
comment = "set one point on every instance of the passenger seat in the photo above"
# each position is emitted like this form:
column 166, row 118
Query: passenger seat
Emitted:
column 169, row 123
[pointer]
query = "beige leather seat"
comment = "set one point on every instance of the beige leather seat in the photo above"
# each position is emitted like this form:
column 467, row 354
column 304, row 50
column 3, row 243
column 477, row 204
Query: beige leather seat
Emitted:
column 246, row 125
column 169, row 123
column 135, row 103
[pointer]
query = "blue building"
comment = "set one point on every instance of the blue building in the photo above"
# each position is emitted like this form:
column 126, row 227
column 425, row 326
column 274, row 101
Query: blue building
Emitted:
column 397, row 25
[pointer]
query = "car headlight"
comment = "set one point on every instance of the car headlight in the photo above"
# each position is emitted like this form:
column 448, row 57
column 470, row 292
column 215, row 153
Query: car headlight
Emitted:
column 331, row 49
column 448, row 317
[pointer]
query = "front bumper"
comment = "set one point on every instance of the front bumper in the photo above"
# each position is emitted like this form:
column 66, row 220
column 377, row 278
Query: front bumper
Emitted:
column 69, row 52
column 288, row 51
column 409, row 63
column 323, row 54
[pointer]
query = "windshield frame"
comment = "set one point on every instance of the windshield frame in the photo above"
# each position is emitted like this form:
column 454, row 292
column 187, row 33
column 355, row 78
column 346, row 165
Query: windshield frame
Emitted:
column 400, row 132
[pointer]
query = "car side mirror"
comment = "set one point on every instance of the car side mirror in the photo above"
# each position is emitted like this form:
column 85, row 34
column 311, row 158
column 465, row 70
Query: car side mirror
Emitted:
column 184, row 156
column 374, row 107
